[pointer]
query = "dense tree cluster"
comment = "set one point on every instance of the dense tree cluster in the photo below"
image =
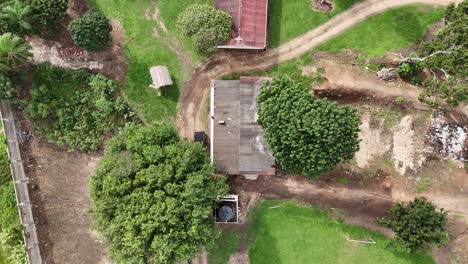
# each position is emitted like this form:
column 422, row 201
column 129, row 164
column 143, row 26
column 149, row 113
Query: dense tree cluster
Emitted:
column 448, row 52
column 91, row 31
column 47, row 13
column 152, row 196
column 74, row 108
column 306, row 135
column 208, row 26
column 416, row 225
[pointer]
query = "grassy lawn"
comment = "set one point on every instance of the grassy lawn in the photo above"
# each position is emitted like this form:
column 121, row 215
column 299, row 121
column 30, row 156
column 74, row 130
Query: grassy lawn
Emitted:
column 288, row 19
column 225, row 246
column 300, row 234
column 393, row 29
column 144, row 50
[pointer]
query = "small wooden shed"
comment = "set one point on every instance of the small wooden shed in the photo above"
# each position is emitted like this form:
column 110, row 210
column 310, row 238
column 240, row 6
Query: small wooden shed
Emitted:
column 161, row 77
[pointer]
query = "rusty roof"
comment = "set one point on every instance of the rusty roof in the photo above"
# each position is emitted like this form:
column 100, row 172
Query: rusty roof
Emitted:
column 249, row 17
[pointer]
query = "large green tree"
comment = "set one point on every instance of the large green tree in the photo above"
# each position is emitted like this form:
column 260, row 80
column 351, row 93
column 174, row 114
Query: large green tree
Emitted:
column 306, row 135
column 417, row 224
column 447, row 53
column 91, row 31
column 19, row 17
column 152, row 196
column 13, row 52
column 47, row 13
column 208, row 26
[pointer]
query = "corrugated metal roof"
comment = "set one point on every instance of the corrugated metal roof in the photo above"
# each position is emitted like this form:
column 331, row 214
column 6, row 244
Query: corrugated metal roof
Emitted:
column 239, row 146
column 249, row 23
column 160, row 76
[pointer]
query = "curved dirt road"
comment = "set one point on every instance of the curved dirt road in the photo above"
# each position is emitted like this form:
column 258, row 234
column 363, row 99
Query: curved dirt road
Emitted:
column 225, row 63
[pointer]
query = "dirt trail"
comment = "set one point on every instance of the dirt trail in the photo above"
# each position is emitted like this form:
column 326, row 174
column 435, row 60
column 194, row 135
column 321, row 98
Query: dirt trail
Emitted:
column 226, row 63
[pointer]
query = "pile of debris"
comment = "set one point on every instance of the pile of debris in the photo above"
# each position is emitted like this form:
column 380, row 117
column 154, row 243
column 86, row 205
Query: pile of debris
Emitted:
column 387, row 74
column 448, row 140
column 322, row 6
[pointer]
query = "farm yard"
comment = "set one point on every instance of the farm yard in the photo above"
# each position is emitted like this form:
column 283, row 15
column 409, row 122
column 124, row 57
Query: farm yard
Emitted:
column 114, row 176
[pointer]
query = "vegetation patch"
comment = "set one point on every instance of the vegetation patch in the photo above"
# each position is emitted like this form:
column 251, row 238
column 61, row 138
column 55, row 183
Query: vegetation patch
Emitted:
column 12, row 250
column 393, row 29
column 306, row 135
column 290, row 19
column 144, row 50
column 299, row 234
column 152, row 196
column 91, row 31
column 224, row 247
column 74, row 108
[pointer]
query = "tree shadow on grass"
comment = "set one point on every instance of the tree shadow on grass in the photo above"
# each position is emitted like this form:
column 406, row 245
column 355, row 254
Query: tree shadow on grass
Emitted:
column 274, row 22
column 407, row 24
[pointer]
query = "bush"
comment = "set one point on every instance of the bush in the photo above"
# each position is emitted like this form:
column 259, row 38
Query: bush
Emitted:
column 409, row 68
column 47, row 13
column 7, row 91
column 400, row 100
column 91, row 31
column 152, row 196
column 74, row 108
column 204, row 21
column 306, row 135
column 416, row 225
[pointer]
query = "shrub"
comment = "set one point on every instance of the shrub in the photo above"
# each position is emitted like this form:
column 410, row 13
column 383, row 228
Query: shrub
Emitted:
column 400, row 100
column 7, row 91
column 306, row 135
column 74, row 108
column 91, row 31
column 47, row 13
column 204, row 21
column 19, row 17
column 416, row 224
column 152, row 196
column 14, row 53
column 409, row 68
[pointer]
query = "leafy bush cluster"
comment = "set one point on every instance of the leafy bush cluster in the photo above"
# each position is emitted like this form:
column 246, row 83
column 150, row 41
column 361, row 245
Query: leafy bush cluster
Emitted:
column 416, row 225
column 47, row 13
column 11, row 238
column 152, row 196
column 6, row 88
column 410, row 68
column 74, row 108
column 91, row 31
column 208, row 26
column 306, row 135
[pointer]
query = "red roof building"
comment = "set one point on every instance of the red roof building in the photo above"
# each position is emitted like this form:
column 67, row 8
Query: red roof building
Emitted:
column 249, row 17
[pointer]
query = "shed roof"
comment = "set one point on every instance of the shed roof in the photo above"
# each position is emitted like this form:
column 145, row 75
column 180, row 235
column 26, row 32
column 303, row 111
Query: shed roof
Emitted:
column 238, row 146
column 160, row 76
column 249, row 17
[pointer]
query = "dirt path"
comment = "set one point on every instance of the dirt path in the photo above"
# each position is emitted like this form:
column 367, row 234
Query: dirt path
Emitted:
column 224, row 63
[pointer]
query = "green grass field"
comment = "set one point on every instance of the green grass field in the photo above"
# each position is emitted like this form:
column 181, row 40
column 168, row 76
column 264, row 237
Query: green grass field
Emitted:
column 288, row 19
column 144, row 50
column 225, row 246
column 298, row 234
column 393, row 29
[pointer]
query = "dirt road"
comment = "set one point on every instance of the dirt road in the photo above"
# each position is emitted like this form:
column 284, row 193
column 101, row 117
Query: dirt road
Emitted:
column 225, row 63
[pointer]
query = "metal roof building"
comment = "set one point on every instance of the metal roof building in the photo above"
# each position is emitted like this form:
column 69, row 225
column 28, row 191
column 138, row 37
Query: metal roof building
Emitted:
column 249, row 23
column 160, row 76
column 237, row 143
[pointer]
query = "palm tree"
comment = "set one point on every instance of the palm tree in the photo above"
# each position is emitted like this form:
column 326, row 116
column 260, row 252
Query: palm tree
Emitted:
column 19, row 17
column 13, row 52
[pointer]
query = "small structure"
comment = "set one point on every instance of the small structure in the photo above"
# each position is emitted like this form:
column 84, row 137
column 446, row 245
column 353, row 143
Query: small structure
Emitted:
column 237, row 145
column 161, row 78
column 227, row 209
column 249, row 17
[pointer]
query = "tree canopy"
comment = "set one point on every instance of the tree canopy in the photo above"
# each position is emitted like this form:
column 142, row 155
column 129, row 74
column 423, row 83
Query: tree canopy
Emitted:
column 448, row 52
column 417, row 224
column 91, row 31
column 306, row 135
column 208, row 26
column 152, row 196
column 13, row 53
